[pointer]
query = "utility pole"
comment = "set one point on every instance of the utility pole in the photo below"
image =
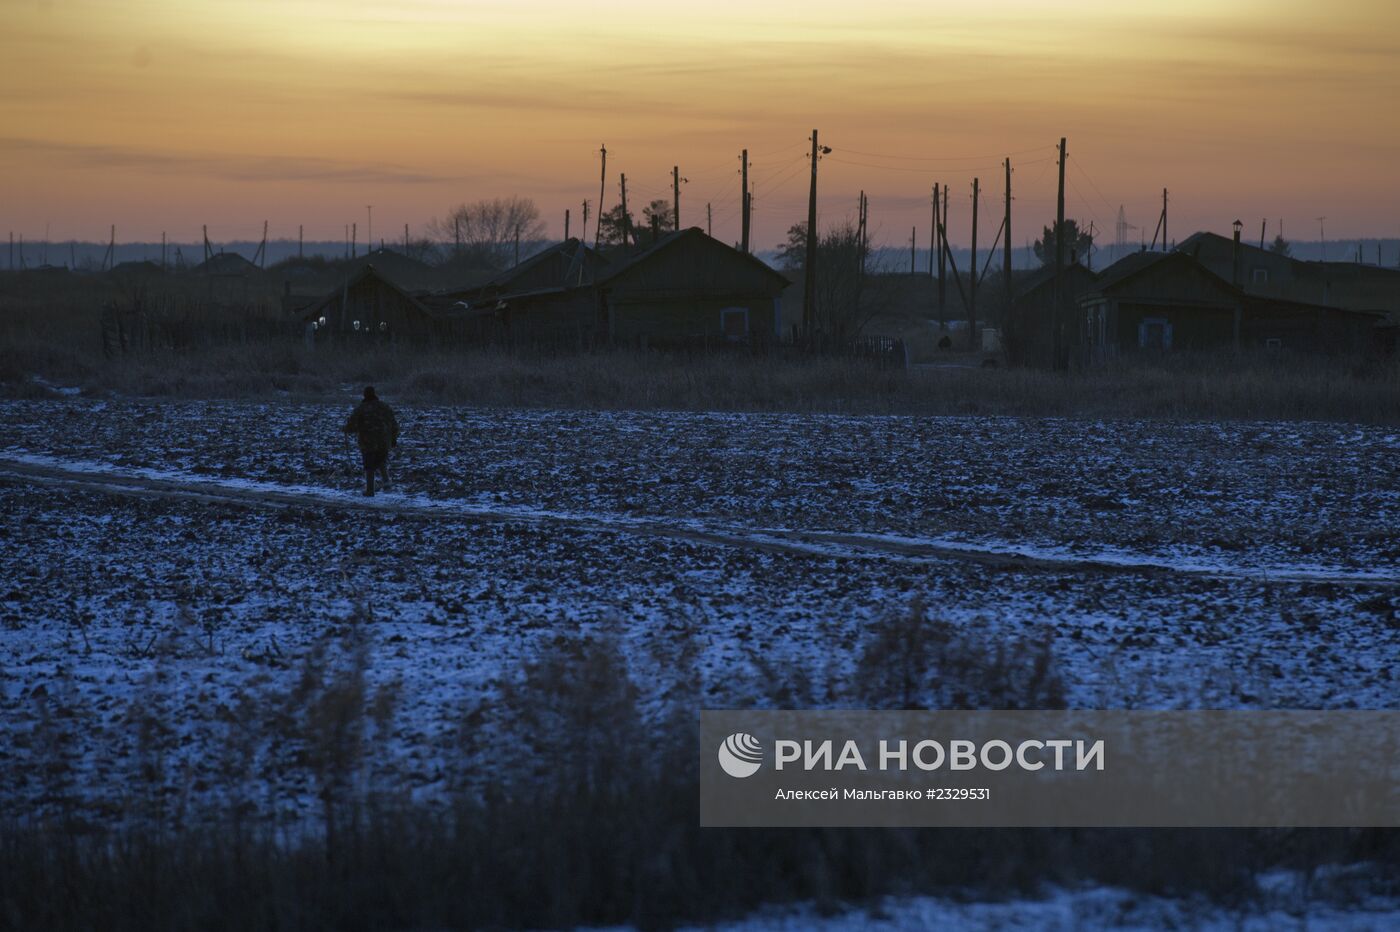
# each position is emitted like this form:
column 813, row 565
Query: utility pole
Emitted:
column 626, row 219
column 709, row 220
column 1006, row 246
column 112, row 249
column 913, row 233
column 809, row 296
column 1165, row 241
column 972, row 303
column 1263, row 228
column 354, row 241
column 602, row 193
column 940, row 210
column 347, row 241
column 566, row 224
column 744, row 206
column 933, row 231
column 583, row 240
column 676, row 194
column 1056, row 292
column 863, row 233
column 369, row 228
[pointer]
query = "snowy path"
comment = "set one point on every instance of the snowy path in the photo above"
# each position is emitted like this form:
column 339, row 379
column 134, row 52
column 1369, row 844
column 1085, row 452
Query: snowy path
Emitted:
column 98, row 477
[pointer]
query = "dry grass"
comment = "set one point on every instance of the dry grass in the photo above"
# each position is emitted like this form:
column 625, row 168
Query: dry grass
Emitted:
column 1196, row 387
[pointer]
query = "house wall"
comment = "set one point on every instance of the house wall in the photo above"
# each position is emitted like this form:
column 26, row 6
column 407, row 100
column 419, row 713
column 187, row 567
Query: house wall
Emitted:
column 373, row 303
column 1192, row 328
column 1313, row 330
column 679, row 319
column 569, row 318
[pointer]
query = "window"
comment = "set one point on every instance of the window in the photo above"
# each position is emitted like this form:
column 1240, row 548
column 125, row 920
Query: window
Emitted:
column 383, row 326
column 1259, row 276
column 1155, row 333
column 356, row 325
column 734, row 322
column 320, row 321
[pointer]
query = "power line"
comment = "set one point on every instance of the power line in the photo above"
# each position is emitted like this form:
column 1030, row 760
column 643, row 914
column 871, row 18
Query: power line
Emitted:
column 1089, row 178
column 943, row 158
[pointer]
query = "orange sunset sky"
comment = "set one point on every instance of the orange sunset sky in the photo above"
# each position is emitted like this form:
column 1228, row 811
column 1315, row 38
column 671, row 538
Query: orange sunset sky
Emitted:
column 159, row 115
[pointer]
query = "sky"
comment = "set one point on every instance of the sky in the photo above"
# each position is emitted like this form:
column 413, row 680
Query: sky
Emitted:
column 166, row 115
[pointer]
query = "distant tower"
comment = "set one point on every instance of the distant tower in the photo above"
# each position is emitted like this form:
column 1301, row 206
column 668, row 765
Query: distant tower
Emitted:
column 1120, row 238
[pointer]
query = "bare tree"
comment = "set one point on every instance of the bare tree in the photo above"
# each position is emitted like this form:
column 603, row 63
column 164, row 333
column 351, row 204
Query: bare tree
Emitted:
column 850, row 290
column 487, row 229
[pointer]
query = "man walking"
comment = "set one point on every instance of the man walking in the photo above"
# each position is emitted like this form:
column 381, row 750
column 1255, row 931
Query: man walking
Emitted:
column 373, row 424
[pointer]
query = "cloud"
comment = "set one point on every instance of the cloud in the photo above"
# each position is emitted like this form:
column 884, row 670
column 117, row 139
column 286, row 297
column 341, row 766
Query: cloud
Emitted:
column 226, row 167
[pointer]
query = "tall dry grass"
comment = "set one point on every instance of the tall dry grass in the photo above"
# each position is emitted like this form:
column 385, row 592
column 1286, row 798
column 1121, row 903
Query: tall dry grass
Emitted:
column 1264, row 386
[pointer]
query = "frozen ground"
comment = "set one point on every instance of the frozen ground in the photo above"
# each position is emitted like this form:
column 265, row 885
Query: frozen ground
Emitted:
column 167, row 564
column 1098, row 908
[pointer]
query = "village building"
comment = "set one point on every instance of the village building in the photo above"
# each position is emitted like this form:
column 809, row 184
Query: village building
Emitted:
column 1153, row 303
column 368, row 307
column 1028, row 331
column 1351, row 285
column 690, row 289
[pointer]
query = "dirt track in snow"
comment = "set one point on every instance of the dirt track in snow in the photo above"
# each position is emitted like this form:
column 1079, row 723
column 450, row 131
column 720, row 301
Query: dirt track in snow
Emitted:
column 88, row 477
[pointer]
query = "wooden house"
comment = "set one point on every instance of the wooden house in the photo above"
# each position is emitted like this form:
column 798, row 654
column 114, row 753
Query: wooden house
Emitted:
column 1027, row 331
column 368, row 307
column 1351, row 285
column 690, row 289
column 546, row 300
column 1155, row 303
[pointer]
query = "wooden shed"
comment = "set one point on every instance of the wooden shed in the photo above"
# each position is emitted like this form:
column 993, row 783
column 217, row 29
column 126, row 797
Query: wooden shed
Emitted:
column 369, row 307
column 690, row 289
column 1028, row 332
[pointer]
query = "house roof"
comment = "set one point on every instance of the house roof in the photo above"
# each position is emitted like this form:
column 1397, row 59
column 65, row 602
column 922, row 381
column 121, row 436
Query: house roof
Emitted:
column 1131, row 266
column 573, row 249
column 226, row 263
column 1030, row 281
column 690, row 234
column 364, row 272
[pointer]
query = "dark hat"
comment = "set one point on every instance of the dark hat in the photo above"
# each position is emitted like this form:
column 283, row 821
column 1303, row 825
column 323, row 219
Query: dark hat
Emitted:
column 369, row 393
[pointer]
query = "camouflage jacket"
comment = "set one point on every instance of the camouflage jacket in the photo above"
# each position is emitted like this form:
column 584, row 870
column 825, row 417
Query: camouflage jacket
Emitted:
column 373, row 423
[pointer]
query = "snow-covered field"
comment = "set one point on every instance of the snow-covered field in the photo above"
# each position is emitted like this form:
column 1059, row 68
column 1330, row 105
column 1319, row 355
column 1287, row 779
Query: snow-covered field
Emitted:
column 167, row 564
column 1284, row 908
